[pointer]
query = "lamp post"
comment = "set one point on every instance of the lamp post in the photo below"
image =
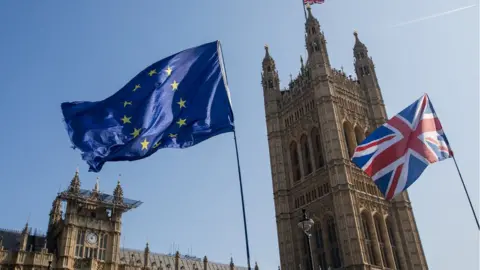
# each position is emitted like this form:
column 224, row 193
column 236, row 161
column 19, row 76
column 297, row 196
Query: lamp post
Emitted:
column 306, row 224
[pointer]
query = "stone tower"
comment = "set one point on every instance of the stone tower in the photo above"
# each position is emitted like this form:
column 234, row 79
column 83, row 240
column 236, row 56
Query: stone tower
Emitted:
column 87, row 234
column 313, row 128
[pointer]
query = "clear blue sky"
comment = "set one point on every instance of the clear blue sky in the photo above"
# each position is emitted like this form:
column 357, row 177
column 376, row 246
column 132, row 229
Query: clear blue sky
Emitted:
column 55, row 51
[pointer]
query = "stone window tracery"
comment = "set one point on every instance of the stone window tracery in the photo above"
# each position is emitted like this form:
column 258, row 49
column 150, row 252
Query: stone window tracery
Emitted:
column 317, row 148
column 349, row 137
column 367, row 238
column 333, row 242
column 295, row 163
column 307, row 162
column 393, row 244
column 381, row 241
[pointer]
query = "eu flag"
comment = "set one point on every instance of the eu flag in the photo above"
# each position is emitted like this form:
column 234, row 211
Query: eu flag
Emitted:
column 176, row 102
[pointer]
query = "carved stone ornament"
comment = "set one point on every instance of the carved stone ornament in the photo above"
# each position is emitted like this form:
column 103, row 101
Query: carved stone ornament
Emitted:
column 81, row 263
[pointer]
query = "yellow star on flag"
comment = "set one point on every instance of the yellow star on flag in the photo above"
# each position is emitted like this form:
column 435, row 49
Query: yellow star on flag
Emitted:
column 181, row 122
column 174, row 85
column 181, row 103
column 125, row 103
column 152, row 72
column 138, row 86
column 126, row 119
column 135, row 132
column 171, row 135
column 168, row 71
column 145, row 144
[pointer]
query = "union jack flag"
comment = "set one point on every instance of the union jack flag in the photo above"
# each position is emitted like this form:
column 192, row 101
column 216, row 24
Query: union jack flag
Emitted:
column 396, row 153
column 311, row 2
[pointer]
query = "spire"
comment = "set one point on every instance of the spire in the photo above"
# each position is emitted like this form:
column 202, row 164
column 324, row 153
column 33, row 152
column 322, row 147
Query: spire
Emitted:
column 24, row 238
column 309, row 11
column 75, row 184
column 256, row 266
column 358, row 44
column 268, row 62
column 25, row 229
column 146, row 256
column 232, row 265
column 56, row 211
column 97, row 186
column 118, row 193
column 267, row 53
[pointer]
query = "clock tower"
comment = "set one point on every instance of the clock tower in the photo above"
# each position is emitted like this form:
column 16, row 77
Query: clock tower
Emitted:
column 86, row 235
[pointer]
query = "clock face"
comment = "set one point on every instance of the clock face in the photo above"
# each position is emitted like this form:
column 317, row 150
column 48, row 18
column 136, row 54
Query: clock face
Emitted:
column 92, row 238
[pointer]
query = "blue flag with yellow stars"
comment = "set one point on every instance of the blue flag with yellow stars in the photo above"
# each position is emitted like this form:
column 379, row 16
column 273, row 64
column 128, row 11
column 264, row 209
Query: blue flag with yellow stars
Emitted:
column 176, row 102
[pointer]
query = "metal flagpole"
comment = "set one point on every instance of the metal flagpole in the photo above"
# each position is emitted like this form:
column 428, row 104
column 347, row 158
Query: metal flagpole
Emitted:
column 243, row 201
column 220, row 54
column 304, row 11
column 466, row 192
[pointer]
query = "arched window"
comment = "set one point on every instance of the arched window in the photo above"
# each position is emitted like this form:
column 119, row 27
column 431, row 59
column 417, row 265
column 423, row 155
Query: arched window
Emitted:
column 381, row 241
column 359, row 135
column 367, row 236
column 393, row 243
column 317, row 148
column 349, row 138
column 315, row 47
column 307, row 161
column 295, row 161
column 333, row 243
column 322, row 260
column 269, row 68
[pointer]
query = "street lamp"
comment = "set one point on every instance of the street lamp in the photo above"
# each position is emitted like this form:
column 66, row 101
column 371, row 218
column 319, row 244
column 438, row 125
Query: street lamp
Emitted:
column 306, row 224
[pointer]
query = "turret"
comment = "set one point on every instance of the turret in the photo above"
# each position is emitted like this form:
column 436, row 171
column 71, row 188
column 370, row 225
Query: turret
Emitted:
column 75, row 184
column 316, row 46
column 118, row 194
column 365, row 69
column 270, row 80
column 24, row 238
column 55, row 212
column 146, row 257
column 271, row 84
column 232, row 265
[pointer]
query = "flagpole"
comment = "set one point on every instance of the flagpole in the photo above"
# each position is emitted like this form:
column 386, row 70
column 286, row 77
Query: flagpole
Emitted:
column 243, row 200
column 466, row 192
column 304, row 11
column 220, row 54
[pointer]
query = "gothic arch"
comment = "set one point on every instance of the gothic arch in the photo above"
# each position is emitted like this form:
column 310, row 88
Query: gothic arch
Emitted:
column 307, row 161
column 320, row 245
column 393, row 242
column 295, row 161
column 333, row 242
column 317, row 148
column 367, row 237
column 359, row 134
column 349, row 137
column 378, row 221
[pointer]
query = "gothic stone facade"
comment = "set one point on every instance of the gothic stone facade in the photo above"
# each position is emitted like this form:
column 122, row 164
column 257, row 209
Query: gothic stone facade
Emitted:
column 313, row 129
column 84, row 234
